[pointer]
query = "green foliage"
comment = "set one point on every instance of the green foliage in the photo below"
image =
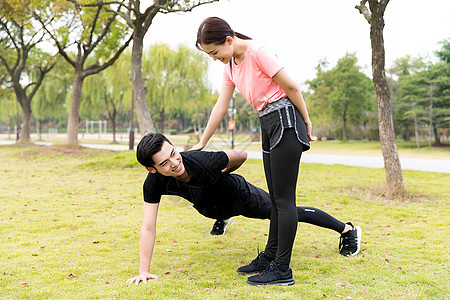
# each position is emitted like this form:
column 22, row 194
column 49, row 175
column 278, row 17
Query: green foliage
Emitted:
column 340, row 96
column 421, row 95
column 177, row 80
column 108, row 94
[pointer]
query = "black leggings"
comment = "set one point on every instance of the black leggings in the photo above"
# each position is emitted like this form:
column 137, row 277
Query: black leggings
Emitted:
column 256, row 203
column 281, row 167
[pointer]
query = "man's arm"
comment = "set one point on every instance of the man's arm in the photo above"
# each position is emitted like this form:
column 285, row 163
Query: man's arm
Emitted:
column 146, row 243
column 235, row 159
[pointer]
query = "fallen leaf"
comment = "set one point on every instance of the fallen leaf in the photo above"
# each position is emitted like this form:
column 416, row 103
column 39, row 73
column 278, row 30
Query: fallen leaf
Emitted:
column 25, row 283
column 242, row 261
column 167, row 273
column 317, row 256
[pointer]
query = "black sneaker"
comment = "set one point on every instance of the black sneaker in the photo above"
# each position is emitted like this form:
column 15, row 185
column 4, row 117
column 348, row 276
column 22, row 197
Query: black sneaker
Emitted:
column 350, row 242
column 220, row 226
column 259, row 264
column 272, row 276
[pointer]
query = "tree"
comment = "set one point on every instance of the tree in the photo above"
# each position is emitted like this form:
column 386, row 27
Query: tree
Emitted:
column 49, row 104
column 177, row 80
column 405, row 94
column 421, row 95
column 375, row 16
column 140, row 22
column 105, row 93
column 93, row 30
column 25, row 64
column 344, row 93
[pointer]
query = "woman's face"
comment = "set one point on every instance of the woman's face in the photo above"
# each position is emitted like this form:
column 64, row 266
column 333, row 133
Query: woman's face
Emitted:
column 223, row 52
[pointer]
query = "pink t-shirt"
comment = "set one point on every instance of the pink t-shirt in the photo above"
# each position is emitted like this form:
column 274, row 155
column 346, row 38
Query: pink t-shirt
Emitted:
column 253, row 76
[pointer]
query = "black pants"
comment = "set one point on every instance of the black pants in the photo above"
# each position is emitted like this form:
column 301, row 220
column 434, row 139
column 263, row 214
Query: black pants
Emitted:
column 281, row 167
column 258, row 205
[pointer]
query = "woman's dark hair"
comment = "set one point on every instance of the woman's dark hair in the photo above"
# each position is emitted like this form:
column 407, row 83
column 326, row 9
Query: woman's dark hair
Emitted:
column 214, row 30
column 149, row 145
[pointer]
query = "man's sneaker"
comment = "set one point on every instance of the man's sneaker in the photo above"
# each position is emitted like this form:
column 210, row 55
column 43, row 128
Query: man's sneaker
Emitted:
column 272, row 276
column 220, row 226
column 350, row 242
column 259, row 264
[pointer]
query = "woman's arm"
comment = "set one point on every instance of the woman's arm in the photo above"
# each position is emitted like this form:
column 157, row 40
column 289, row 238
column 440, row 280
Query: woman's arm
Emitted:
column 218, row 113
column 293, row 92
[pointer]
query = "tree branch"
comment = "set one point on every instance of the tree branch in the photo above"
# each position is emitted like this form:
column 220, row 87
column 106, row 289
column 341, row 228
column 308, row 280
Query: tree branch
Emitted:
column 165, row 9
column 58, row 45
column 94, row 69
column 383, row 4
column 364, row 10
column 42, row 73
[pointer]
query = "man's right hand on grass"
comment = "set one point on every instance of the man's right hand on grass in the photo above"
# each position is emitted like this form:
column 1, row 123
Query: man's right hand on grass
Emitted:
column 141, row 277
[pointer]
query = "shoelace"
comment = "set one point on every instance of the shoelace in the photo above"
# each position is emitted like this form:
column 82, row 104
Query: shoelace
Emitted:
column 269, row 269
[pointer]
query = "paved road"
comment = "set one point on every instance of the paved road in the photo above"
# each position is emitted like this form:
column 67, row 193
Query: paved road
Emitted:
column 418, row 164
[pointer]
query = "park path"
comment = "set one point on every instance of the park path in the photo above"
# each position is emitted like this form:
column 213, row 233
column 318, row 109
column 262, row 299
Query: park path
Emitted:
column 417, row 164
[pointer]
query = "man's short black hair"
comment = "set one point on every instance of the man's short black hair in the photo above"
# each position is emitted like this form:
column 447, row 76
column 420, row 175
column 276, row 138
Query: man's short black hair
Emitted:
column 149, row 145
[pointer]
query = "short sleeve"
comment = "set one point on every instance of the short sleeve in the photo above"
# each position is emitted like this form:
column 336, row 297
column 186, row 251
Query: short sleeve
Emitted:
column 226, row 76
column 217, row 160
column 152, row 190
column 268, row 61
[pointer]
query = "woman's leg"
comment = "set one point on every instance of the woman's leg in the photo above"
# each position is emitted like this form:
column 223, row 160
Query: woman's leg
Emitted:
column 281, row 167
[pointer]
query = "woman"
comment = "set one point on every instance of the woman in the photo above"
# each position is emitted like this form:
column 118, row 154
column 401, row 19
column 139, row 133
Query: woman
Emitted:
column 285, row 129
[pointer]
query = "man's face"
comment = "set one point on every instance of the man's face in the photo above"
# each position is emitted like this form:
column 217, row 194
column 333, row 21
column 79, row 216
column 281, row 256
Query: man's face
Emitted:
column 168, row 161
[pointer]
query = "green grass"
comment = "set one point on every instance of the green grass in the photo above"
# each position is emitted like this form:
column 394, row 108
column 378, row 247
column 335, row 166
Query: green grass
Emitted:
column 70, row 220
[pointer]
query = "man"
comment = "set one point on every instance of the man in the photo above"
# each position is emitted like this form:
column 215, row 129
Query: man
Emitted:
column 203, row 178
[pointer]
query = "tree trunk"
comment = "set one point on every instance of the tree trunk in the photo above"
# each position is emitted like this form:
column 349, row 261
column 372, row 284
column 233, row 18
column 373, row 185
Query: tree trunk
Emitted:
column 394, row 176
column 24, row 136
column 74, row 113
column 431, row 116
column 162, row 119
column 416, row 128
column 437, row 138
column 138, row 88
column 344, row 118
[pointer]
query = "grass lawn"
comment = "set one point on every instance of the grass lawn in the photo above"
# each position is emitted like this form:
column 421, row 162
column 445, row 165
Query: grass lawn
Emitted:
column 70, row 221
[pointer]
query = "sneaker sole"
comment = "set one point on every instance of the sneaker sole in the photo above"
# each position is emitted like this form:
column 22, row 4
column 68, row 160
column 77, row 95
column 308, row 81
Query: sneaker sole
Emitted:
column 227, row 224
column 249, row 273
column 276, row 282
column 359, row 234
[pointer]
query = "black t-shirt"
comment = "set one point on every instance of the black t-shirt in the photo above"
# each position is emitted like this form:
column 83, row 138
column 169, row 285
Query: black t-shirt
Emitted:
column 209, row 189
